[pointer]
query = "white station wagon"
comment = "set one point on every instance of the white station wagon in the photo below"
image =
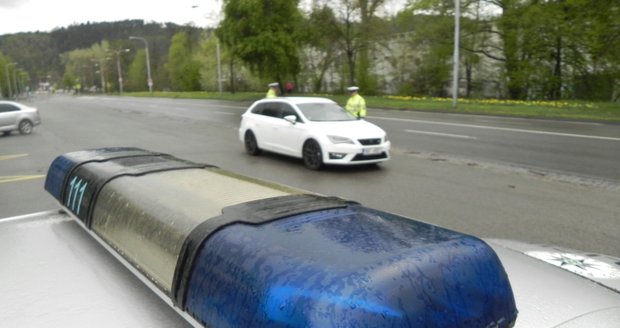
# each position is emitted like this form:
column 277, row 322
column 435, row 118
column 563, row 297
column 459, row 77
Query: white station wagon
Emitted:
column 317, row 130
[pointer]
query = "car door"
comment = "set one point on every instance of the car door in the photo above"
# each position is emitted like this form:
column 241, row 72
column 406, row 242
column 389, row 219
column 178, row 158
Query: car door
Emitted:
column 266, row 125
column 290, row 135
column 8, row 113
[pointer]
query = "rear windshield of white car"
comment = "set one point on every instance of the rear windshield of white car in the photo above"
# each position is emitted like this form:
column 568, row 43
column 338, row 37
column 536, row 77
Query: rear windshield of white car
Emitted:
column 325, row 112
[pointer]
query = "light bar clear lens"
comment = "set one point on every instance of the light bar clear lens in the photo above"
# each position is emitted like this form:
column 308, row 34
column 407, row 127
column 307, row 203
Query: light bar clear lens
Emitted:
column 147, row 218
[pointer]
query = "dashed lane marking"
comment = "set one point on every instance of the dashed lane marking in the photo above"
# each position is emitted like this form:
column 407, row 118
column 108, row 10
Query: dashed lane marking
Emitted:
column 441, row 134
column 5, row 157
column 15, row 178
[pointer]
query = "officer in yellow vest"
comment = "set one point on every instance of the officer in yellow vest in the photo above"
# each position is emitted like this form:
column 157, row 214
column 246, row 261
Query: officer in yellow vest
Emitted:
column 356, row 105
column 273, row 90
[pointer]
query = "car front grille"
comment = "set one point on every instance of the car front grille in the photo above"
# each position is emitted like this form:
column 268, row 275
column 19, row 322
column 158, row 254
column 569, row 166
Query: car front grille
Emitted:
column 361, row 157
column 370, row 142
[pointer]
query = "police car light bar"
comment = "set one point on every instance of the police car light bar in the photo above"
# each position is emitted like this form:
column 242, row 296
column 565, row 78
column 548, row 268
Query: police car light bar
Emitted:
column 232, row 251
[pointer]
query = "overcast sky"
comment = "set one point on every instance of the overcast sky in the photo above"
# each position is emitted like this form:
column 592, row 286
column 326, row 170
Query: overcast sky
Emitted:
column 46, row 15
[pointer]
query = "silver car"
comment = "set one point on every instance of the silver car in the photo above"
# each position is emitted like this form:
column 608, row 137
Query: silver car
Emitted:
column 18, row 117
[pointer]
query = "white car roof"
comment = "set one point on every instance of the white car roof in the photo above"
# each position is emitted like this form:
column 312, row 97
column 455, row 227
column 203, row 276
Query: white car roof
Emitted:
column 301, row 100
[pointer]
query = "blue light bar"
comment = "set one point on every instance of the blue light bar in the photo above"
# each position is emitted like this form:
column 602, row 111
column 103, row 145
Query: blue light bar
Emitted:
column 347, row 267
column 232, row 251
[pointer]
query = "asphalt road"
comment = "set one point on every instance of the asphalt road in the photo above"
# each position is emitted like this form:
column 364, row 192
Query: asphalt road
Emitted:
column 538, row 181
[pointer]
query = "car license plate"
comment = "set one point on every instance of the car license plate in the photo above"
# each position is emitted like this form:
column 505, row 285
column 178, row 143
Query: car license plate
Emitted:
column 371, row 151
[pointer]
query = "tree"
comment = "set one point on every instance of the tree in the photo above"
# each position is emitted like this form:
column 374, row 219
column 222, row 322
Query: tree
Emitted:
column 80, row 71
column 536, row 42
column 183, row 68
column 349, row 36
column 433, row 38
column 320, row 38
column 136, row 73
column 208, row 60
column 264, row 35
column 368, row 10
column 3, row 84
column 597, row 24
column 34, row 52
column 430, row 37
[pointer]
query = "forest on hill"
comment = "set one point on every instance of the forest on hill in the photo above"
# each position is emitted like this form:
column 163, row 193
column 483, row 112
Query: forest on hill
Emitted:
column 40, row 56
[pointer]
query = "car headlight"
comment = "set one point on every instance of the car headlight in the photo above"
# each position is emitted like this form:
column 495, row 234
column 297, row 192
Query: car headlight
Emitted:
column 339, row 140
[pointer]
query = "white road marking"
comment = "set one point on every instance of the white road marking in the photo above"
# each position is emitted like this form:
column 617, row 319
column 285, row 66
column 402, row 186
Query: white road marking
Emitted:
column 534, row 119
column 6, row 157
column 441, row 134
column 501, row 129
column 15, row 178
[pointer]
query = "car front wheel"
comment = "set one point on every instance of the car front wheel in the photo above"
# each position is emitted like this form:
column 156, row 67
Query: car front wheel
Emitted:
column 25, row 127
column 312, row 155
column 251, row 145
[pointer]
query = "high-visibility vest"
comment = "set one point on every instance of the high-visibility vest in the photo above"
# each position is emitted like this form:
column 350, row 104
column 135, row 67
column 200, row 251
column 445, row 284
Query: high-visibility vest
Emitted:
column 271, row 93
column 356, row 105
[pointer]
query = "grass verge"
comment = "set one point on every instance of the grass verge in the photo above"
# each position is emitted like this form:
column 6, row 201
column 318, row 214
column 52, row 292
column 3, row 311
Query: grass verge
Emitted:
column 572, row 110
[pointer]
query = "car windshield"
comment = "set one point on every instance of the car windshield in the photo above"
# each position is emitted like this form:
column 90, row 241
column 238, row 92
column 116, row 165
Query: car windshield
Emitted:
column 325, row 112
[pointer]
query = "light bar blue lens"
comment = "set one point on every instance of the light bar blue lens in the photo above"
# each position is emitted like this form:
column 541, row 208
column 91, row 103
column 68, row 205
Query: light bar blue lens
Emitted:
column 56, row 174
column 348, row 268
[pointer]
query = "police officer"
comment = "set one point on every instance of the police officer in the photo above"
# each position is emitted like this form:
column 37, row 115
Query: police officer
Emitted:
column 356, row 105
column 273, row 90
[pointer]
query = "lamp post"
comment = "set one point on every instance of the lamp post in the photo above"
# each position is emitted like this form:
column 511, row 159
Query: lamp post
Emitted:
column 101, row 68
column 219, row 65
column 148, row 63
column 219, row 68
column 118, row 67
column 100, row 65
column 455, row 69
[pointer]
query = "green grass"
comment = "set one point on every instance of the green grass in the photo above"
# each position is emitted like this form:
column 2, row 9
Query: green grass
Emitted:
column 572, row 110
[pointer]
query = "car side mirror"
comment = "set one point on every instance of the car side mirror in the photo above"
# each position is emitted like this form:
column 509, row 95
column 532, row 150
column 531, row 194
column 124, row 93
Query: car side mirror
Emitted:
column 291, row 119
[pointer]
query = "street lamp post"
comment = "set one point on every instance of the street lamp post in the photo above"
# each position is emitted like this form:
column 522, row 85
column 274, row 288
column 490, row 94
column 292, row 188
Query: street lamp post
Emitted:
column 219, row 68
column 100, row 71
column 95, row 71
column 455, row 69
column 148, row 64
column 118, row 67
column 219, row 65
column 101, row 75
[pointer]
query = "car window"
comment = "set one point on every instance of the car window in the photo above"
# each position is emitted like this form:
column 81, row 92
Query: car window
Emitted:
column 8, row 108
column 325, row 112
column 288, row 110
column 272, row 109
column 258, row 109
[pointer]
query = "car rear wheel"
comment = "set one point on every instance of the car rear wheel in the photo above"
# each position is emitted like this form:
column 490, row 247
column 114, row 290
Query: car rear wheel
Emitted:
column 251, row 145
column 25, row 127
column 312, row 155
